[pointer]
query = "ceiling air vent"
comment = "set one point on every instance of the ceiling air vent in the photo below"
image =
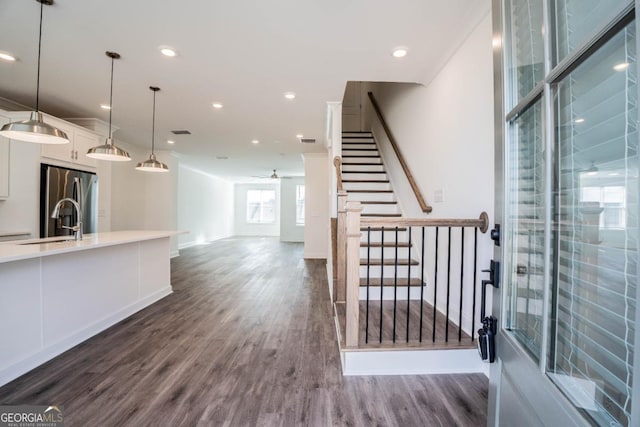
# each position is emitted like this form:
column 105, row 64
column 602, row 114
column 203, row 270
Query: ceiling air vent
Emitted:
column 181, row 132
column 308, row 140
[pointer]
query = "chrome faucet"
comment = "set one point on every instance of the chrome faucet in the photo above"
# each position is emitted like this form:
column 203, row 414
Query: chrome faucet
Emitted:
column 76, row 228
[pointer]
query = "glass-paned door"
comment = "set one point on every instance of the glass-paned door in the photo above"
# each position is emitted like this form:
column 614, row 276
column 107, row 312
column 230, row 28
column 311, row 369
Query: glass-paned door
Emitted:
column 568, row 203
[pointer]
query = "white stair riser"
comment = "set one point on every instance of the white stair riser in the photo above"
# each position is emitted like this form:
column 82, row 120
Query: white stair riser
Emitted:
column 368, row 209
column 366, row 186
column 359, row 146
column 362, row 168
column 376, row 160
column 364, row 176
column 389, row 253
column 388, row 294
column 359, row 152
column 374, row 271
column 354, row 137
column 385, row 197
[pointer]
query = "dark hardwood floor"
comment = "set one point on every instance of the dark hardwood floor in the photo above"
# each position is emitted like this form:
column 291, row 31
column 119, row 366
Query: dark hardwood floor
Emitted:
column 247, row 338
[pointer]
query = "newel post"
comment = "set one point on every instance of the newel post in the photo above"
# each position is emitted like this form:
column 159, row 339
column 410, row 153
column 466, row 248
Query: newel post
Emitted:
column 353, row 273
column 340, row 292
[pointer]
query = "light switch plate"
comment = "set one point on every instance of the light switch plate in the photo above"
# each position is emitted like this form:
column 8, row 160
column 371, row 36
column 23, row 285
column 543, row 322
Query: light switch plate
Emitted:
column 438, row 196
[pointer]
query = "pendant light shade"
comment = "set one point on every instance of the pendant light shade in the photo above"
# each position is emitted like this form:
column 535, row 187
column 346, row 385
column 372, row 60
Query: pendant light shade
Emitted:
column 35, row 129
column 108, row 150
column 152, row 164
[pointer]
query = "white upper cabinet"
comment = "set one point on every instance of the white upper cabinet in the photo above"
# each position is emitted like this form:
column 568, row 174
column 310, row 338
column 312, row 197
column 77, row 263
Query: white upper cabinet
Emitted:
column 74, row 152
column 4, row 162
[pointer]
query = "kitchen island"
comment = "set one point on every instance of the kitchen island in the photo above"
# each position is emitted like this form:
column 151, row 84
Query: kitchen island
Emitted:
column 54, row 295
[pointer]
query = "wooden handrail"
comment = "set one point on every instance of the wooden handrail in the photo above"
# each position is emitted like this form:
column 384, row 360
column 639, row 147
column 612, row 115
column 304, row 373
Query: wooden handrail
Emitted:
column 482, row 223
column 337, row 161
column 414, row 186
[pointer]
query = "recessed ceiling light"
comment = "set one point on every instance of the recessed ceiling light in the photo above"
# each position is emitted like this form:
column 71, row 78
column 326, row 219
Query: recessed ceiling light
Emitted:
column 169, row 141
column 255, row 141
column 614, row 174
column 167, row 51
column 621, row 66
column 7, row 56
column 222, row 157
column 290, row 95
column 105, row 106
column 217, row 105
column 580, row 120
column 400, row 52
column 299, row 136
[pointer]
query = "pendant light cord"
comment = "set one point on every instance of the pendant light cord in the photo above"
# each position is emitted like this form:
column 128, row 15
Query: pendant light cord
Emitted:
column 153, row 124
column 39, row 50
column 111, row 97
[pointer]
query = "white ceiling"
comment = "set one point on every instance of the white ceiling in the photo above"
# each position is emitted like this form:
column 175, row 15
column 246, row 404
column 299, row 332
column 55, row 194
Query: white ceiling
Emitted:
column 243, row 53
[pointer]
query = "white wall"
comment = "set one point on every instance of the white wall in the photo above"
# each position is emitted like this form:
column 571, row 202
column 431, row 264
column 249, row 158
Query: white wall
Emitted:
column 289, row 230
column 205, row 207
column 445, row 132
column 144, row 200
column 316, row 230
column 241, row 227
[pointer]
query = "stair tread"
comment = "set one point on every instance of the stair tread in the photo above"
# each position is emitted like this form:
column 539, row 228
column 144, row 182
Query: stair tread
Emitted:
column 390, row 282
column 387, row 261
column 377, row 181
column 369, row 191
column 360, row 164
column 386, row 244
column 378, row 202
column 359, row 149
column 363, row 156
column 367, row 172
column 385, row 215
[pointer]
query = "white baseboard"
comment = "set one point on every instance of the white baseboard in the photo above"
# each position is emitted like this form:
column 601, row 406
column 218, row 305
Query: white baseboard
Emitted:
column 45, row 354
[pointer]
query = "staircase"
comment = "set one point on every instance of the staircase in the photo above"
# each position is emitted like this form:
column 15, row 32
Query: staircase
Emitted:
column 366, row 181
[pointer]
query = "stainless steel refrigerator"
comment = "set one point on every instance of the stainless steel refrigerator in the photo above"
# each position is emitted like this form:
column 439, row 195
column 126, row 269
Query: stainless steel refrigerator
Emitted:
column 58, row 183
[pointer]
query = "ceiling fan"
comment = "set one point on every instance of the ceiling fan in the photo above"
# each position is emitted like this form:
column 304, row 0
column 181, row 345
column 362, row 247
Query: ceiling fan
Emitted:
column 274, row 175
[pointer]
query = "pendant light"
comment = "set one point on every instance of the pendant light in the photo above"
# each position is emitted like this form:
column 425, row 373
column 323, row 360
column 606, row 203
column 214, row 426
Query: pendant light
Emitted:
column 109, row 151
column 151, row 164
column 35, row 129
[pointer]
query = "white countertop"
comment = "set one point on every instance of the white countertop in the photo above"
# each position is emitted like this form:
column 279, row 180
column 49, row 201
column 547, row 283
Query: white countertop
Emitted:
column 18, row 250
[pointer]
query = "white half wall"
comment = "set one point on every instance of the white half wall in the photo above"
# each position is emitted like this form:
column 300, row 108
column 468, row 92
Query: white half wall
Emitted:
column 289, row 230
column 205, row 207
column 242, row 227
column 316, row 230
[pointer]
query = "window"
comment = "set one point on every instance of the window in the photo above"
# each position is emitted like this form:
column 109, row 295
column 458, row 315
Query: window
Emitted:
column 299, row 204
column 261, row 206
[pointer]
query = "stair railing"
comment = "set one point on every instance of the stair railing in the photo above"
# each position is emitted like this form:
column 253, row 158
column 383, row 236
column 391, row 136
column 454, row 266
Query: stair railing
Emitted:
column 405, row 167
column 421, row 314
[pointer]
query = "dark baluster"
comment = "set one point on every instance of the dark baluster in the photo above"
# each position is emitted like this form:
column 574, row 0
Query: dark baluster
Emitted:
column 435, row 287
column 395, row 286
column 409, row 286
column 461, row 282
column 422, row 284
column 366, row 332
column 446, row 325
column 381, row 278
column 475, row 272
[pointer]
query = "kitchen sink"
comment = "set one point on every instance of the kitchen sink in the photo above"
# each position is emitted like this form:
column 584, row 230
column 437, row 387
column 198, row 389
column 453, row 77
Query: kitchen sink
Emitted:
column 47, row 240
